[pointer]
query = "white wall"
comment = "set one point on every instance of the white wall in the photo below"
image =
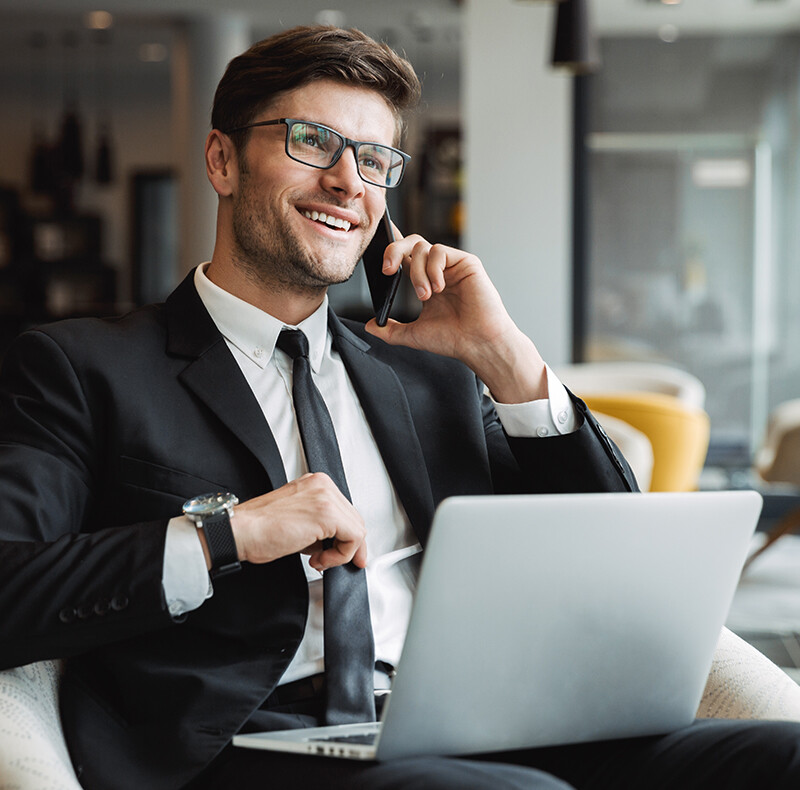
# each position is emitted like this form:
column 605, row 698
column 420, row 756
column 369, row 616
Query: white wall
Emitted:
column 518, row 194
column 208, row 42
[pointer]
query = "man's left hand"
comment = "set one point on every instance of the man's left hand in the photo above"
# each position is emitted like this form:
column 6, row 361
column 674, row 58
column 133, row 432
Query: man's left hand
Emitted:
column 463, row 317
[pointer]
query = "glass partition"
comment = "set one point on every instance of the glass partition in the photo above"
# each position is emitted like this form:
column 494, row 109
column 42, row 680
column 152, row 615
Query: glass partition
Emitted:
column 680, row 269
column 693, row 249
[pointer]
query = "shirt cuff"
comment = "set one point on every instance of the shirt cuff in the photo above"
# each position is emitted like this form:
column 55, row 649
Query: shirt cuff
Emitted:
column 551, row 416
column 185, row 575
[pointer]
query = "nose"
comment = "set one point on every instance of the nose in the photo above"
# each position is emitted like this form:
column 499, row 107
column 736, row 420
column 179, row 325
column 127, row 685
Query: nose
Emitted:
column 343, row 178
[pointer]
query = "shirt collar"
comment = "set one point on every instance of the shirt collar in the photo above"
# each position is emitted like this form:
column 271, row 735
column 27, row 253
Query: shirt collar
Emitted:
column 253, row 331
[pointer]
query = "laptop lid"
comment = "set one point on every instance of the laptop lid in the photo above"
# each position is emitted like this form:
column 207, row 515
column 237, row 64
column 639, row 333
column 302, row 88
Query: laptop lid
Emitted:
column 544, row 620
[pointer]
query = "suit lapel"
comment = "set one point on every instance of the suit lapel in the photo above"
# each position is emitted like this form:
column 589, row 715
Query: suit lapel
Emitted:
column 213, row 376
column 386, row 407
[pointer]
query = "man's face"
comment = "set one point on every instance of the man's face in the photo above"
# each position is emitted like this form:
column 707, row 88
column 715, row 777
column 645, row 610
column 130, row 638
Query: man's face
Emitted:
column 275, row 237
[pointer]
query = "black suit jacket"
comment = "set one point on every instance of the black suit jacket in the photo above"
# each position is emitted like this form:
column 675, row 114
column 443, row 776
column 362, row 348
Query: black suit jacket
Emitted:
column 108, row 426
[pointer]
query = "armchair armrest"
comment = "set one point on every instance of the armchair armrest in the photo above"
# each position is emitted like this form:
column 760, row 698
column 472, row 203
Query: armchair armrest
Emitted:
column 745, row 684
column 33, row 753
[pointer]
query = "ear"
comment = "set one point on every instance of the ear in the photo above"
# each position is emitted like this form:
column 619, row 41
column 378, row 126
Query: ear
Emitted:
column 221, row 162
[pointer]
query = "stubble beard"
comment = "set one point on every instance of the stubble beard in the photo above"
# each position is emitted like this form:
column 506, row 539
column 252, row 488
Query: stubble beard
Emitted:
column 272, row 256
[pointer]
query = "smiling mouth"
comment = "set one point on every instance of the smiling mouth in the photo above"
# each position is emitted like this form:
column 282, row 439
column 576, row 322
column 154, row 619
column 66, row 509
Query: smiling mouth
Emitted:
column 332, row 222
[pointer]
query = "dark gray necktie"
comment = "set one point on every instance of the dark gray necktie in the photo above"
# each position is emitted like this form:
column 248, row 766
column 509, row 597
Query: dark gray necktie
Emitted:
column 349, row 645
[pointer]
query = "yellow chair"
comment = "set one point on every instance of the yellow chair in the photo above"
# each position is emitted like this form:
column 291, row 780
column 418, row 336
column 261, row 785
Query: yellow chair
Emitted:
column 678, row 433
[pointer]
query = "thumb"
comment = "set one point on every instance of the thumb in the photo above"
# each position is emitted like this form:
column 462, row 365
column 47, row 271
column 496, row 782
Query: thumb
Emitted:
column 392, row 333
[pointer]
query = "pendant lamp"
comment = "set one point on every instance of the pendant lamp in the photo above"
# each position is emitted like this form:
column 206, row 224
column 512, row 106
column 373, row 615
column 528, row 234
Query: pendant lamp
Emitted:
column 574, row 44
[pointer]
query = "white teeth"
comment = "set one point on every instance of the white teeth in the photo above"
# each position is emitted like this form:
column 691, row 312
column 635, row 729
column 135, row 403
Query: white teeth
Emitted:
column 333, row 222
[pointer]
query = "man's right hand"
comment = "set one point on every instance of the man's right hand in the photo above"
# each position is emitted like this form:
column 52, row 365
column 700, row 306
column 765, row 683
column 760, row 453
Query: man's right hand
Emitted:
column 298, row 517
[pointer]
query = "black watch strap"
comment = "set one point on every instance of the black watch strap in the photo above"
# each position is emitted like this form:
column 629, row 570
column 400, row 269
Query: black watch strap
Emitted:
column 221, row 545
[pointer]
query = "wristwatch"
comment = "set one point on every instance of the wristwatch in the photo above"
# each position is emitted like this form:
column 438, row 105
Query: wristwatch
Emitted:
column 212, row 513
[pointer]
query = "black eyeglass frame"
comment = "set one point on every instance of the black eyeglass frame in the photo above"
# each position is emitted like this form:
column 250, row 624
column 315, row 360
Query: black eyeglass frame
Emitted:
column 347, row 143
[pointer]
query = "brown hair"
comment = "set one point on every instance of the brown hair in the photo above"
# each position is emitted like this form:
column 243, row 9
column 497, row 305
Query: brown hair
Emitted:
column 304, row 54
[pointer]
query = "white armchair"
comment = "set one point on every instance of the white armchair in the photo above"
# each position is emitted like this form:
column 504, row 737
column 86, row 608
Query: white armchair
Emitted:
column 588, row 378
column 633, row 444
column 33, row 754
column 743, row 684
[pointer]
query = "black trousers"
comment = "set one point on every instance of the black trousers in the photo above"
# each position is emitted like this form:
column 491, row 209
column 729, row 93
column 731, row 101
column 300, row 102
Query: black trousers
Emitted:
column 735, row 755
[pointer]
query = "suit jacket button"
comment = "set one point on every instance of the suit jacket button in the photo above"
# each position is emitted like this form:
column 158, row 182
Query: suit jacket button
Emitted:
column 101, row 607
column 119, row 602
column 85, row 612
column 67, row 615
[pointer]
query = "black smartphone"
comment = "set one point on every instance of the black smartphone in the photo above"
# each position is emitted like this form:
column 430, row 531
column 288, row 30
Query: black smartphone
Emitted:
column 382, row 287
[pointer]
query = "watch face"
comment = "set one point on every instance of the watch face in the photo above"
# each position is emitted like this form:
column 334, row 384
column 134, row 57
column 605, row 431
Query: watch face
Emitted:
column 209, row 504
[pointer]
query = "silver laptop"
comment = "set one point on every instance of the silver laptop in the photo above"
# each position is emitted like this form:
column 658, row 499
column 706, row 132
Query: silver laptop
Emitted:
column 545, row 620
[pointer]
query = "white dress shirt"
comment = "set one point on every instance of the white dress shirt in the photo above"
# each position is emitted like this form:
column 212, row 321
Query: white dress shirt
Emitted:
column 251, row 335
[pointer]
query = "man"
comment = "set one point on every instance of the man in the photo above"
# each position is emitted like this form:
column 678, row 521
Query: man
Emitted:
column 108, row 427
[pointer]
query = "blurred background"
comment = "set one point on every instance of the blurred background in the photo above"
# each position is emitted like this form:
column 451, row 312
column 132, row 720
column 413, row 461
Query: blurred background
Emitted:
column 639, row 205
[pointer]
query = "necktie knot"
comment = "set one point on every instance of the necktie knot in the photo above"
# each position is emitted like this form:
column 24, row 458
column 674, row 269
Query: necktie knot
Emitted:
column 293, row 342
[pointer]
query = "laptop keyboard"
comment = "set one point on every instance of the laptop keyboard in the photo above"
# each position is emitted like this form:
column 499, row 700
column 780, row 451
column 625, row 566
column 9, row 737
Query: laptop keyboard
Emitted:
column 368, row 738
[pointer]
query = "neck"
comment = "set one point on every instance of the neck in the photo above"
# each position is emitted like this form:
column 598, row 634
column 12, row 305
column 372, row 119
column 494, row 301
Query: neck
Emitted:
column 289, row 304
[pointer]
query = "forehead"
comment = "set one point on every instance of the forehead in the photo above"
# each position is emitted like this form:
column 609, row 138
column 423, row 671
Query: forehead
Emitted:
column 358, row 113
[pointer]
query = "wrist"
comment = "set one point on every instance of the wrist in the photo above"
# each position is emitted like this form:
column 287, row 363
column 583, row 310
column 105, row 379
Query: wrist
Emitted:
column 212, row 514
column 513, row 370
column 204, row 545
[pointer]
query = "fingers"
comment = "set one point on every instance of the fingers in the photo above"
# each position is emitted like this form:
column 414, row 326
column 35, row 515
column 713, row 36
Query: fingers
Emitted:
column 340, row 531
column 340, row 553
column 426, row 269
column 308, row 515
column 394, row 254
column 426, row 263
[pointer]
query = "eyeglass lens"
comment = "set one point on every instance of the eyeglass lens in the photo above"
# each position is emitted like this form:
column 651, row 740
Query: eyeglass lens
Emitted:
column 319, row 146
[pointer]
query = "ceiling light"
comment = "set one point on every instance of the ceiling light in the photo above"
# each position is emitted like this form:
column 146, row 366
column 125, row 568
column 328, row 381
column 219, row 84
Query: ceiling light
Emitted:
column 668, row 33
column 721, row 173
column 99, row 20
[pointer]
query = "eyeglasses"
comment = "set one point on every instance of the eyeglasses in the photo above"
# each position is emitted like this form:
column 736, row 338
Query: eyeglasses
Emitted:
column 320, row 146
